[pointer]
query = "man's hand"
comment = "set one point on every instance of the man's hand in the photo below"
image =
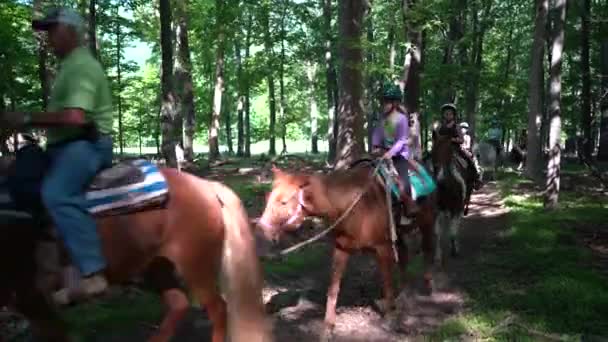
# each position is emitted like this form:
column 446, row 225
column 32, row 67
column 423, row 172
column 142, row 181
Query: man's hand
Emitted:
column 12, row 120
column 387, row 155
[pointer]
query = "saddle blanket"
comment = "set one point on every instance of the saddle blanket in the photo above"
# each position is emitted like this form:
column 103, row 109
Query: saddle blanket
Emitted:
column 127, row 187
column 421, row 182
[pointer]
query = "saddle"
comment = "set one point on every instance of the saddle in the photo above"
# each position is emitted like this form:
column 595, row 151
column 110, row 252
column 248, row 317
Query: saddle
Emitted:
column 126, row 187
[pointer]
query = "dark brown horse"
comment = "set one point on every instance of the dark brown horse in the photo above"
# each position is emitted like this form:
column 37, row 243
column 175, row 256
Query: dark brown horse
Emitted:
column 365, row 227
column 202, row 234
column 454, row 188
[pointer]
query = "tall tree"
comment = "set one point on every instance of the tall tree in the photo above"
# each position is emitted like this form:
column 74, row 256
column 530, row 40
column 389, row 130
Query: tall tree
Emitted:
column 535, row 109
column 214, row 125
column 586, row 76
column 413, row 59
column 183, row 75
column 311, row 71
column 268, row 48
column 603, row 150
column 43, row 70
column 331, row 80
column 93, row 26
column 555, row 110
column 240, row 106
column 121, row 142
column 283, row 100
column 169, row 116
column 248, row 86
column 350, row 115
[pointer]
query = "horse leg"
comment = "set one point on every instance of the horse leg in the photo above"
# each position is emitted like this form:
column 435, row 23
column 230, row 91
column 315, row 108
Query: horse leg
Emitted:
column 340, row 259
column 161, row 274
column 454, row 228
column 216, row 308
column 438, row 232
column 44, row 321
column 425, row 221
column 385, row 258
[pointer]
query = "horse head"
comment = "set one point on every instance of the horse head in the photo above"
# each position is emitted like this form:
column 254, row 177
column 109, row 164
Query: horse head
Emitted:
column 442, row 156
column 287, row 205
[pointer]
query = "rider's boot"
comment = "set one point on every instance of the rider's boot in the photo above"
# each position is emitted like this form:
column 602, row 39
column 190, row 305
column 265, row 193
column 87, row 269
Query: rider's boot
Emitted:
column 411, row 207
column 81, row 289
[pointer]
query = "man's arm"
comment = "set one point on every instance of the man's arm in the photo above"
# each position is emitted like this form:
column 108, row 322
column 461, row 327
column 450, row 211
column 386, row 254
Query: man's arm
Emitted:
column 66, row 117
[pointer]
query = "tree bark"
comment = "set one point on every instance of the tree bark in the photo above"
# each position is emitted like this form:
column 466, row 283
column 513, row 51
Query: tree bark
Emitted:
column 183, row 74
column 350, row 138
column 311, row 70
column 283, row 101
column 602, row 154
column 413, row 58
column 168, row 114
column 93, row 27
column 553, row 166
column 586, row 76
column 43, row 71
column 214, row 125
column 535, row 110
column 119, row 81
column 270, row 76
column 240, row 100
column 247, row 87
column 371, row 91
column 331, row 81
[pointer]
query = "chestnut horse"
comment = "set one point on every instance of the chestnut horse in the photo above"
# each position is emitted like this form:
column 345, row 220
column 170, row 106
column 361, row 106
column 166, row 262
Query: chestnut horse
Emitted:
column 202, row 234
column 454, row 189
column 365, row 227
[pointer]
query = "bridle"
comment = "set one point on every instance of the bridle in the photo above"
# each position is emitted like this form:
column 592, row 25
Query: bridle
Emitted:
column 293, row 216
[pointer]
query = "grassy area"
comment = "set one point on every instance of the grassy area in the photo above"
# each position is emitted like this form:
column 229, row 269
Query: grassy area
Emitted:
column 537, row 279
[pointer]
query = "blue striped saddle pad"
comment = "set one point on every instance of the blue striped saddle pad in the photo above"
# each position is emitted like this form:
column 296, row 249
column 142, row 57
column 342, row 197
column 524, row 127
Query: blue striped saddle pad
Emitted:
column 126, row 187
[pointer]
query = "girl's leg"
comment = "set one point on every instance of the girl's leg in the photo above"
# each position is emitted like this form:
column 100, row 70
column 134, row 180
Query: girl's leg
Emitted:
column 401, row 164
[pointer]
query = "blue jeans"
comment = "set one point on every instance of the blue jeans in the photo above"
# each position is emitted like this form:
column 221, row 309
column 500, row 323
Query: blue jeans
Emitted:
column 72, row 167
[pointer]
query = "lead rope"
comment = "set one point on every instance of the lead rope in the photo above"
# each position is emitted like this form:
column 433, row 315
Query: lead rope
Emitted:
column 302, row 244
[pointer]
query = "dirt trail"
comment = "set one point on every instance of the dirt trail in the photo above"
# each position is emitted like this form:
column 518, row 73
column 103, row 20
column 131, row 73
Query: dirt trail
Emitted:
column 300, row 302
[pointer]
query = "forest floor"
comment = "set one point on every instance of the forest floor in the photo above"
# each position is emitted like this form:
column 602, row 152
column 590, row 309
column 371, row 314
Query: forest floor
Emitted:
column 524, row 274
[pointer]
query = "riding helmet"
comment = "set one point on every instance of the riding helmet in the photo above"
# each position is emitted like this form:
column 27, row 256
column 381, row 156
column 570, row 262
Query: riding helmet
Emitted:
column 449, row 106
column 391, row 91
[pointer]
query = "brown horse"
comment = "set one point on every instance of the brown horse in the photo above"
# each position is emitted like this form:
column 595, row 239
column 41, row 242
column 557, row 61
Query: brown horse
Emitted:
column 296, row 196
column 202, row 234
column 454, row 188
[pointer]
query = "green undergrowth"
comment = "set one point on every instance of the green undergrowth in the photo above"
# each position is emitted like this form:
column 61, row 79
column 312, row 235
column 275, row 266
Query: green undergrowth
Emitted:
column 536, row 280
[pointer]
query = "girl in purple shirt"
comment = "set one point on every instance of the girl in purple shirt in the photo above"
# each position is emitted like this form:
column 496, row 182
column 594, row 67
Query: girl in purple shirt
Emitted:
column 391, row 135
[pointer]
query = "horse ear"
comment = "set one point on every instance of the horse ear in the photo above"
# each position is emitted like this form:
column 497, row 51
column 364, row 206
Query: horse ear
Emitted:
column 276, row 171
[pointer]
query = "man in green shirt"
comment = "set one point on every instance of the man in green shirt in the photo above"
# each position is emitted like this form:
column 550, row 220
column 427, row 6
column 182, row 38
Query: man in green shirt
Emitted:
column 79, row 125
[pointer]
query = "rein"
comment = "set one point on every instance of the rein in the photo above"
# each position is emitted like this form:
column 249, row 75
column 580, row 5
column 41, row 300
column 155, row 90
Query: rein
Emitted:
column 300, row 208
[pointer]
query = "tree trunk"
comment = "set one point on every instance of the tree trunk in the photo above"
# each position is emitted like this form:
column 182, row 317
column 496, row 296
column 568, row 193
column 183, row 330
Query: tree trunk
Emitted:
column 240, row 99
column 228, row 122
column 331, row 81
column 214, row 125
column 535, row 110
column 586, row 76
column 247, row 87
column 413, row 59
column 169, row 115
column 553, row 167
column 391, row 49
column 311, row 70
column 283, row 104
column 183, row 74
column 350, row 116
column 93, row 27
column 43, row 71
column 119, row 81
column 371, row 89
column 602, row 154
column 270, row 76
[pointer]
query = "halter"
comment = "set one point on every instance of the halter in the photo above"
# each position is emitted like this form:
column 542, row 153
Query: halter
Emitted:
column 294, row 216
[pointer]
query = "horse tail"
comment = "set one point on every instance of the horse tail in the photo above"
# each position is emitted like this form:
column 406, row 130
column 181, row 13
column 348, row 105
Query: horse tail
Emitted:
column 242, row 277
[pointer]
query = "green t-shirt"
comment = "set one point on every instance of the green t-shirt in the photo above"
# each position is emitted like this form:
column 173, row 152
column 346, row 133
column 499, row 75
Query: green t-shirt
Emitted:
column 81, row 83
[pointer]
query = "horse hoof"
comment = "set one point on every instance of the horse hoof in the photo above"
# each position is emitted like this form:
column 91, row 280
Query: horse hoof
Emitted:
column 328, row 334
